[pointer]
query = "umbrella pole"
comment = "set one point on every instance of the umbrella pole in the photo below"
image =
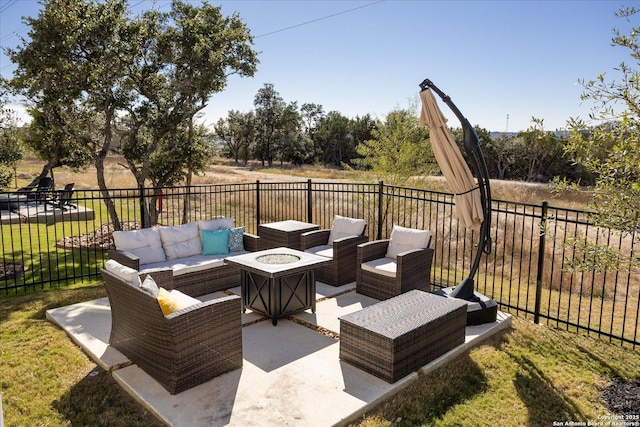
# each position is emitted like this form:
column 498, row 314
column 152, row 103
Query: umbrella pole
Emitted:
column 465, row 290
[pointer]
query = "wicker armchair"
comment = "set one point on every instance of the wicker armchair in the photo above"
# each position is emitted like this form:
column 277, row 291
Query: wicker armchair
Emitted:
column 183, row 349
column 383, row 274
column 339, row 246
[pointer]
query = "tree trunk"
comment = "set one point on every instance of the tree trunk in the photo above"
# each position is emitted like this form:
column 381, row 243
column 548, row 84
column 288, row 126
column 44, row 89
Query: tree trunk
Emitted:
column 502, row 169
column 152, row 207
column 47, row 169
column 187, row 199
column 104, row 190
column 99, row 157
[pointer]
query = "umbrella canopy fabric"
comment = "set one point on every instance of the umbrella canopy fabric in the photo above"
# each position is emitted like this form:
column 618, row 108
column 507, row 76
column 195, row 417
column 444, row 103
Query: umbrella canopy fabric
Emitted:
column 454, row 167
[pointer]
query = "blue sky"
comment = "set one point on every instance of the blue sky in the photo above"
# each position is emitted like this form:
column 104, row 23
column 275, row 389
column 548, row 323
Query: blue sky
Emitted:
column 493, row 58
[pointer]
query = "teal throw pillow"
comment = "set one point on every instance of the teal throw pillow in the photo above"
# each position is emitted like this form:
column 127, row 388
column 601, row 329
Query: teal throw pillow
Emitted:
column 215, row 242
column 235, row 239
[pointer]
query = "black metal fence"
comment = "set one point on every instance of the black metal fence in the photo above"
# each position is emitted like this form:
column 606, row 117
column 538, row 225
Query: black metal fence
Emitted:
column 531, row 271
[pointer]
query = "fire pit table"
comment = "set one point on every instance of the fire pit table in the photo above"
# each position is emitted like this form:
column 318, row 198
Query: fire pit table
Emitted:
column 278, row 282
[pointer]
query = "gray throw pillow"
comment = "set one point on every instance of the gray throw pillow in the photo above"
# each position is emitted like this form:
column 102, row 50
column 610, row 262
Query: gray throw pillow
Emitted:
column 149, row 286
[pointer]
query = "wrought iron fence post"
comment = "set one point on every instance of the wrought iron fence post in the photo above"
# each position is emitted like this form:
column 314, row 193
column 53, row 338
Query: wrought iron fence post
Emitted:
column 380, row 187
column 257, row 204
column 309, row 202
column 142, row 207
column 541, row 247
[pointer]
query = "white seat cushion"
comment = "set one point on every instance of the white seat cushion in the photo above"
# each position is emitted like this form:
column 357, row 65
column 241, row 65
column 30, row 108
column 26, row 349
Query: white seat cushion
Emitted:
column 404, row 239
column 385, row 266
column 345, row 227
column 322, row 250
column 145, row 244
column 191, row 264
column 183, row 299
column 127, row 274
column 181, row 241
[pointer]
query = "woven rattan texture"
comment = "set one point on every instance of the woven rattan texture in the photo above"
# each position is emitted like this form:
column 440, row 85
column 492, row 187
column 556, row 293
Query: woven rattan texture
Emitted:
column 413, row 271
column 202, row 282
column 342, row 269
column 274, row 238
column 395, row 337
column 182, row 350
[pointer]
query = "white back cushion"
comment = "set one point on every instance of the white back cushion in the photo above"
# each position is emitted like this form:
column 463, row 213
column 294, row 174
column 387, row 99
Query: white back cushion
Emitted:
column 127, row 274
column 181, row 241
column 215, row 224
column 404, row 239
column 345, row 227
column 145, row 244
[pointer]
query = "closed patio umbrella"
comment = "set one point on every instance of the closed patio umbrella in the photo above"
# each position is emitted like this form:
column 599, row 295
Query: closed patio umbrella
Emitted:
column 454, row 167
column 472, row 195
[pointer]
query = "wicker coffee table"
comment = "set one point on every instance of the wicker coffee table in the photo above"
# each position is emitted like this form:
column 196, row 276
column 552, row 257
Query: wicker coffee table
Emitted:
column 284, row 234
column 398, row 336
column 278, row 282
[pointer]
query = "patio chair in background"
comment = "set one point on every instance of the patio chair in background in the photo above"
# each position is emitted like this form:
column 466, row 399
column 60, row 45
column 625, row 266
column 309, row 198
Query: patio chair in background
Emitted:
column 390, row 267
column 181, row 349
column 340, row 244
column 44, row 189
column 39, row 193
column 62, row 198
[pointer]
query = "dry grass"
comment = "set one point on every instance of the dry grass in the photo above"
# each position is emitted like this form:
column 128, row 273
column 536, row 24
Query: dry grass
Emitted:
column 526, row 192
column 117, row 175
column 220, row 171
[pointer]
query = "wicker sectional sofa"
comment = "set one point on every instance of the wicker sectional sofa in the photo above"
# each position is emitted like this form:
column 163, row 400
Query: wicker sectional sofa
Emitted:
column 195, row 252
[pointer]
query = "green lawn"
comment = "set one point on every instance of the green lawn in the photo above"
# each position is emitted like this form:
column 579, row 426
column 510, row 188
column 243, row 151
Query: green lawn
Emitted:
column 530, row 375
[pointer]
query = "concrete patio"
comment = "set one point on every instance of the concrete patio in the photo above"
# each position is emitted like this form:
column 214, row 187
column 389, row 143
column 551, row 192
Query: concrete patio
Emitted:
column 41, row 213
column 292, row 374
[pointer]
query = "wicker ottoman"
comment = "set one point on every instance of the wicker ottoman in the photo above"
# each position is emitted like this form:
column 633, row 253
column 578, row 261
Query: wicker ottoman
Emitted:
column 398, row 336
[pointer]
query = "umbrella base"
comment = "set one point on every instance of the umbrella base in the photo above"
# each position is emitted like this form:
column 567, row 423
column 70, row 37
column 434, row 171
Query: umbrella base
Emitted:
column 482, row 310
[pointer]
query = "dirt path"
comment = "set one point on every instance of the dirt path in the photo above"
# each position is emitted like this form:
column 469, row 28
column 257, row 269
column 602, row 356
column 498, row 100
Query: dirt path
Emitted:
column 251, row 175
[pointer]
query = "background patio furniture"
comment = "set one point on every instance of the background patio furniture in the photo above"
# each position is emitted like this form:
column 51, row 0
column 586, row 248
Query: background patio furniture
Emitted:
column 40, row 192
column 380, row 276
column 62, row 198
column 11, row 202
column 283, row 234
column 183, row 349
column 44, row 190
column 340, row 244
